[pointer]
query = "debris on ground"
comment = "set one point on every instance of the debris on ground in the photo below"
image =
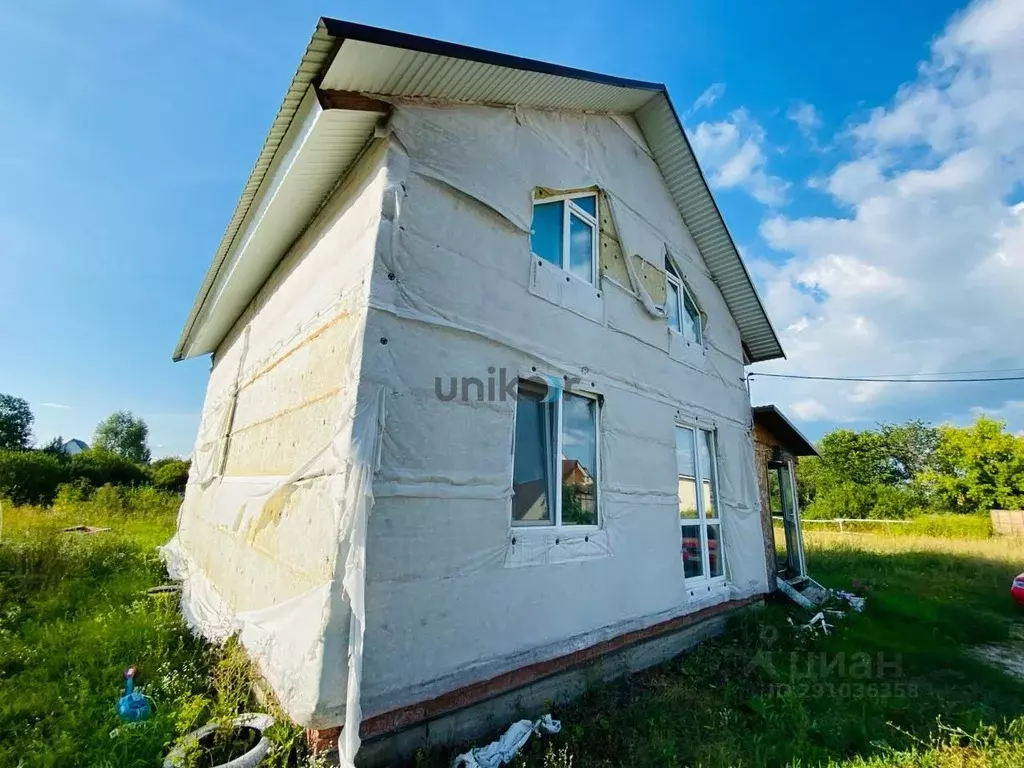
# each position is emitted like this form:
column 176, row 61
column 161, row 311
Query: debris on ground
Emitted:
column 856, row 602
column 163, row 588
column 85, row 529
column 812, row 596
column 1009, row 657
column 504, row 750
column 818, row 622
column 134, row 705
column 790, row 591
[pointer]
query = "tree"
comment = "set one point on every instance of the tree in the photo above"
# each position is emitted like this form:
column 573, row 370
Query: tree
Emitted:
column 977, row 468
column 55, row 447
column 15, row 423
column 911, row 447
column 856, row 457
column 124, row 434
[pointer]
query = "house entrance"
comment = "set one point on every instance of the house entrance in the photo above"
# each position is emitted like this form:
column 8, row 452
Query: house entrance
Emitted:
column 789, row 549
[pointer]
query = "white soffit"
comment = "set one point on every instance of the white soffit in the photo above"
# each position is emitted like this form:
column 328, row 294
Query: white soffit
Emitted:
column 317, row 149
column 385, row 70
column 308, row 151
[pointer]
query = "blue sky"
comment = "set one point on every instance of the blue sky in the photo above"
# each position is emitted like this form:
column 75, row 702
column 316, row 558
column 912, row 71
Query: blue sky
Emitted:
column 866, row 157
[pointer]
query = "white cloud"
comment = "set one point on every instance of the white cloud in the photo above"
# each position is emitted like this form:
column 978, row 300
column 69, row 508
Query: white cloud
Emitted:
column 806, row 117
column 711, row 94
column 809, row 410
column 926, row 271
column 732, row 152
column 61, row 406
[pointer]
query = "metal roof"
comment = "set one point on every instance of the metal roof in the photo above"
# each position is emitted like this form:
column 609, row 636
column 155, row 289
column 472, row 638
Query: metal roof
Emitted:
column 775, row 421
column 354, row 58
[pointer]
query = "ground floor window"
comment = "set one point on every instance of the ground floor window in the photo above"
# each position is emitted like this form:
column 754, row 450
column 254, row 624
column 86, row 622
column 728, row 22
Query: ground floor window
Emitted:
column 699, row 519
column 556, row 469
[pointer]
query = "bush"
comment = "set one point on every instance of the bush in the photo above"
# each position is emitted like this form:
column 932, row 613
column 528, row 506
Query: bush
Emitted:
column 31, row 477
column 896, row 502
column 83, row 500
column 99, row 467
column 170, row 474
column 71, row 494
column 845, row 499
column 35, row 477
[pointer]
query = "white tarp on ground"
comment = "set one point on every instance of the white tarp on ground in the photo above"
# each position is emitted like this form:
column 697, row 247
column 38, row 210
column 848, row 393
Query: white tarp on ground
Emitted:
column 441, row 284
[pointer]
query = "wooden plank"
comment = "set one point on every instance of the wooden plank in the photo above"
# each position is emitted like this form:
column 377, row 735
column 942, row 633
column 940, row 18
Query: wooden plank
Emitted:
column 351, row 100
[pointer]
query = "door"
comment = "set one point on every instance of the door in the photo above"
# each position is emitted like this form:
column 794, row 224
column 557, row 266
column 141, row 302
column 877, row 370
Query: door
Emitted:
column 782, row 485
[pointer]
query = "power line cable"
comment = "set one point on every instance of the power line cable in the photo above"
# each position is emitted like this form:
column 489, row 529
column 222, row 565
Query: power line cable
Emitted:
column 877, row 380
column 941, row 373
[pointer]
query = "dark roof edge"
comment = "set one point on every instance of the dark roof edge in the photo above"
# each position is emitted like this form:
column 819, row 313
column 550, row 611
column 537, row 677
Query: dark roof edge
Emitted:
column 351, row 31
column 796, row 437
column 739, row 256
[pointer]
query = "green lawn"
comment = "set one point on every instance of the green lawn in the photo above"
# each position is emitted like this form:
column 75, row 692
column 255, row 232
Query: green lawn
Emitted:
column 74, row 614
column 894, row 686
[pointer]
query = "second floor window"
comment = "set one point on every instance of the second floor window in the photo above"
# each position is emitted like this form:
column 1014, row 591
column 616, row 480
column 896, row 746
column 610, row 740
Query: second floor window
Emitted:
column 564, row 232
column 683, row 316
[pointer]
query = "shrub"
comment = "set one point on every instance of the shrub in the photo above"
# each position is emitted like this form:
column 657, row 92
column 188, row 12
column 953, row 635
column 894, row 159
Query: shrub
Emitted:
column 108, row 499
column 170, row 474
column 100, row 467
column 896, row 502
column 69, row 495
column 846, row 499
column 146, row 501
column 80, row 499
column 31, row 477
column 35, row 477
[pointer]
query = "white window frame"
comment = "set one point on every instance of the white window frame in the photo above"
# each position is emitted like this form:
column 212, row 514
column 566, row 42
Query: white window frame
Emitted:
column 683, row 293
column 572, row 208
column 556, row 521
column 705, row 579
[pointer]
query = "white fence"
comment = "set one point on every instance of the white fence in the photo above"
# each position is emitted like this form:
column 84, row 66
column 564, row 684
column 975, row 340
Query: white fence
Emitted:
column 848, row 520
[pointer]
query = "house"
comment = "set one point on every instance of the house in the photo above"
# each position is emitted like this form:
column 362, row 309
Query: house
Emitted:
column 476, row 431
column 777, row 448
column 73, row 446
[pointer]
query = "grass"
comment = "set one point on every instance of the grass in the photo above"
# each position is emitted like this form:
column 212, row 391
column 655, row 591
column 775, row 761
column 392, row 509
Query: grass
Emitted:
column 74, row 614
column 941, row 526
column 895, row 686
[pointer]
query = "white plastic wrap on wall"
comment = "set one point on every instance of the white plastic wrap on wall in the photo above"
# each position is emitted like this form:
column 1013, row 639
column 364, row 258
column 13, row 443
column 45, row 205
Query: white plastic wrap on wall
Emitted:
column 456, row 595
column 420, row 272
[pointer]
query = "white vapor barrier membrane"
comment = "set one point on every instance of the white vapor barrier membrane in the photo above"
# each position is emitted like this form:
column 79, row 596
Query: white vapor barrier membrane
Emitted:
column 271, row 535
column 418, row 272
column 456, row 595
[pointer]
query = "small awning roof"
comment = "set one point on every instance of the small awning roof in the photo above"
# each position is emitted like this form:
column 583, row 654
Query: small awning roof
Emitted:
column 775, row 421
column 328, row 116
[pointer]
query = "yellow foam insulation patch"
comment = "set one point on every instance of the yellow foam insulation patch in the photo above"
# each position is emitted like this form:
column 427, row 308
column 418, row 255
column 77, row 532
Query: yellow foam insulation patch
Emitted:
column 610, row 257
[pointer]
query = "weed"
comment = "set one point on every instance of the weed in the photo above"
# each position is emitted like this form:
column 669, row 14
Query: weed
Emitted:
column 74, row 614
column 867, row 696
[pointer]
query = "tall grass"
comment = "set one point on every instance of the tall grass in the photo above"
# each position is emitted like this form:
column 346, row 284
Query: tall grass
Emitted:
column 74, row 613
column 925, row 700
column 943, row 526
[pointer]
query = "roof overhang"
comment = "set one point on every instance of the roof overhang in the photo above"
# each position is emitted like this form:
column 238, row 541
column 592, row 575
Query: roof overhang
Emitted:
column 329, row 115
column 791, row 438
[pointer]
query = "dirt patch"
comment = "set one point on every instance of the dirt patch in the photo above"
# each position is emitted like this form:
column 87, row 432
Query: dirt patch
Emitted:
column 1007, row 656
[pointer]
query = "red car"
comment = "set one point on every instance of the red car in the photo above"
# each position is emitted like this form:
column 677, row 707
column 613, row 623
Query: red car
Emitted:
column 1017, row 590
